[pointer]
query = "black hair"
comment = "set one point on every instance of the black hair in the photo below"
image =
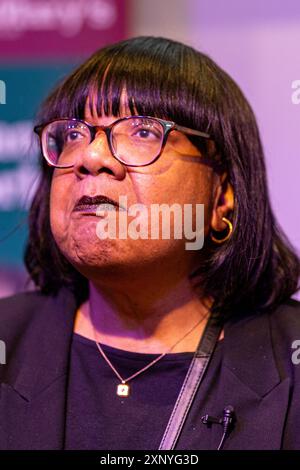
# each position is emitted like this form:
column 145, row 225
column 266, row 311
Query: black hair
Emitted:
column 257, row 268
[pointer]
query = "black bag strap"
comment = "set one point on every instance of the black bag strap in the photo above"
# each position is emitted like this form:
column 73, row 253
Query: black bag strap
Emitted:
column 191, row 383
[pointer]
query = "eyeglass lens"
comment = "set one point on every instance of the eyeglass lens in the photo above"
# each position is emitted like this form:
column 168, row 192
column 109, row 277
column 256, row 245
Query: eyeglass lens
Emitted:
column 135, row 140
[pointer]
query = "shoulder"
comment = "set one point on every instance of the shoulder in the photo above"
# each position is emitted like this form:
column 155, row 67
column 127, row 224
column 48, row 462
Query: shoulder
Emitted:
column 20, row 306
column 20, row 299
column 262, row 338
column 285, row 319
column 31, row 307
column 285, row 334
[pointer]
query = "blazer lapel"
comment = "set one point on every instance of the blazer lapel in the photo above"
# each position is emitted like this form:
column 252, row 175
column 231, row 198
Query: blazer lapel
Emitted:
column 250, row 382
column 33, row 386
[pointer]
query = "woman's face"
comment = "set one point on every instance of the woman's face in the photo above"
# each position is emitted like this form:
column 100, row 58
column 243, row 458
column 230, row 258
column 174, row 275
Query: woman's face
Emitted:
column 177, row 177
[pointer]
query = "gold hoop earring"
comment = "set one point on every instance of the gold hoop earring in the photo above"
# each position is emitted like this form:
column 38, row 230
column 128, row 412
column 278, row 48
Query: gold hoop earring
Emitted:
column 230, row 228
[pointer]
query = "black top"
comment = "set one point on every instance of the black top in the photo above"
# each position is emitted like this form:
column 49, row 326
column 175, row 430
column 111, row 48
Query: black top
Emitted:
column 97, row 418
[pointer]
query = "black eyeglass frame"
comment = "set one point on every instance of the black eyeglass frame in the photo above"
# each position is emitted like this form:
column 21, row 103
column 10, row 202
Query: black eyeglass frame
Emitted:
column 168, row 126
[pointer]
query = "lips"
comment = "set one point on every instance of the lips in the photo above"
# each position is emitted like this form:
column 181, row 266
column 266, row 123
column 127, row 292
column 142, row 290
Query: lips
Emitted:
column 91, row 203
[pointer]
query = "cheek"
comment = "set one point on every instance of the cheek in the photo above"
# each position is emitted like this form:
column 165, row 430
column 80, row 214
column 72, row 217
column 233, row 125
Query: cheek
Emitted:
column 185, row 184
column 59, row 207
column 191, row 190
column 195, row 190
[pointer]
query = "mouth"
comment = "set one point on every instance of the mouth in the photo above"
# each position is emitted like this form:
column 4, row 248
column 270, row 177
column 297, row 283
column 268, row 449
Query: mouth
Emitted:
column 89, row 205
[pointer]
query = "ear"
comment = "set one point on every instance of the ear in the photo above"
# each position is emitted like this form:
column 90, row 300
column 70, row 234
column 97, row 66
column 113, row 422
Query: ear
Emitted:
column 223, row 203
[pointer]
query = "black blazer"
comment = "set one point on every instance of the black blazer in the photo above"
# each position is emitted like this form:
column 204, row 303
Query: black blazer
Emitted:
column 257, row 377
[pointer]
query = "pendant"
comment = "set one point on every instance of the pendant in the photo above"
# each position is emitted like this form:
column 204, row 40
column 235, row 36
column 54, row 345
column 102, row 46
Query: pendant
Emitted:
column 123, row 390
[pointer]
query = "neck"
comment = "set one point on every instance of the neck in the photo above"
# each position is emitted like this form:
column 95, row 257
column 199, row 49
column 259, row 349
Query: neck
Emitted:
column 150, row 319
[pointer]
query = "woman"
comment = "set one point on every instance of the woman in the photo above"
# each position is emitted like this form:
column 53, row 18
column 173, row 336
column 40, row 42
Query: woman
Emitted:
column 138, row 342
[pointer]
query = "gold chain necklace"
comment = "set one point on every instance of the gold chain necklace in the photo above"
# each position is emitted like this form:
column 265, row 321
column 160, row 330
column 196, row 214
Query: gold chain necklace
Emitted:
column 123, row 388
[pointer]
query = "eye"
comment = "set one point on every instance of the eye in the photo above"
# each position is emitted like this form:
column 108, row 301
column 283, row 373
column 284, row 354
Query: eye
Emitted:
column 73, row 135
column 147, row 132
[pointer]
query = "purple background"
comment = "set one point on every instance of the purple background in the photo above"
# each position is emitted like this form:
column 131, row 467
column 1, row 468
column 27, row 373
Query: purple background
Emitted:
column 258, row 44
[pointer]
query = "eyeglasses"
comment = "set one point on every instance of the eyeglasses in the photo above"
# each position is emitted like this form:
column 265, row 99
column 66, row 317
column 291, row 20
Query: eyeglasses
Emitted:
column 133, row 140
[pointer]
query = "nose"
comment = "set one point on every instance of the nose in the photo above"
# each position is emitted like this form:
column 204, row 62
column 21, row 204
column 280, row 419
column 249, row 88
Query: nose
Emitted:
column 97, row 158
